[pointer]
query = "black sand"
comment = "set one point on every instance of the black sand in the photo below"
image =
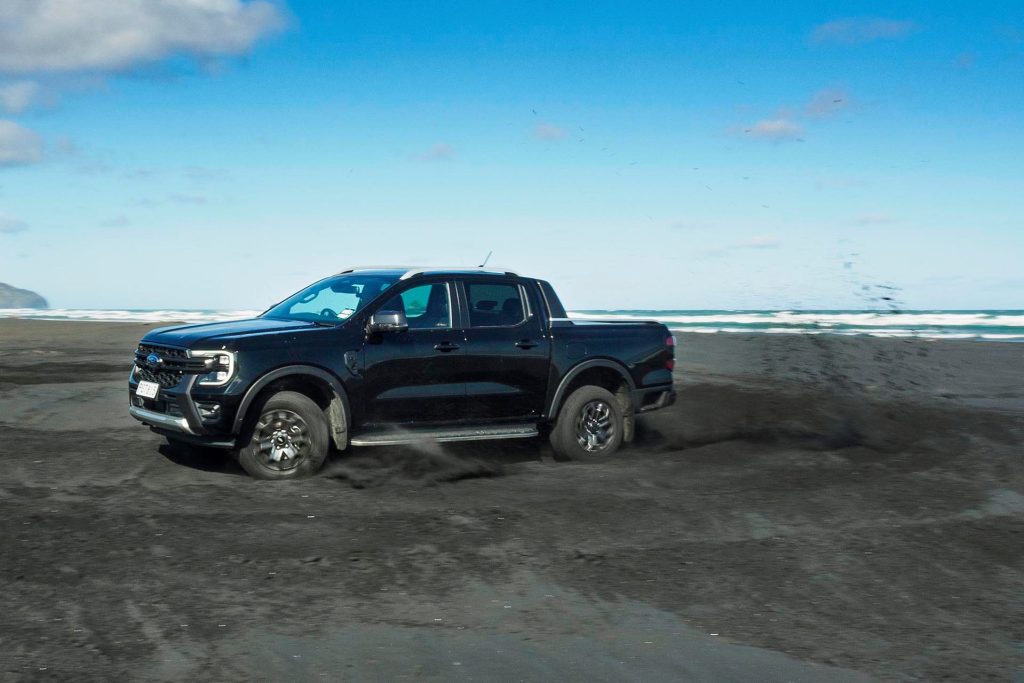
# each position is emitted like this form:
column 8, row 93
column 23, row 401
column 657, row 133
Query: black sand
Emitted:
column 814, row 508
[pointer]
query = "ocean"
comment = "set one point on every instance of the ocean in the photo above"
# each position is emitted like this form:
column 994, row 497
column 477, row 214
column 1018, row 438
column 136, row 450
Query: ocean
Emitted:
column 989, row 325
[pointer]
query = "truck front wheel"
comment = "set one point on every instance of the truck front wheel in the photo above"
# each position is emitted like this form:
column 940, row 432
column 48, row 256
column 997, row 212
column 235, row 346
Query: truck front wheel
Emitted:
column 287, row 440
column 589, row 425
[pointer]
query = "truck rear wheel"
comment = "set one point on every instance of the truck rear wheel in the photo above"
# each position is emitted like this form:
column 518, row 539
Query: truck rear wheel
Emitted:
column 287, row 440
column 589, row 425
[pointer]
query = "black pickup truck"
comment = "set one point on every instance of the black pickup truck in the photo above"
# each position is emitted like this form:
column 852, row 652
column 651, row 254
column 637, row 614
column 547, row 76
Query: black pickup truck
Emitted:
column 382, row 356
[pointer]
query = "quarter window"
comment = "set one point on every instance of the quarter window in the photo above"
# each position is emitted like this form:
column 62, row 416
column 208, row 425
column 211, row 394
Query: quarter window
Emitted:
column 495, row 305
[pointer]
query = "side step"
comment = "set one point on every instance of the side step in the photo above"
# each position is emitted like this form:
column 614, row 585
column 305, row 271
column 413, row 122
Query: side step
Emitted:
column 392, row 437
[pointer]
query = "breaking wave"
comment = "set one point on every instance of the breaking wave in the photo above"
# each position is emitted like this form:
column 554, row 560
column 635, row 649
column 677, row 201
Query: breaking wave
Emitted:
column 990, row 325
column 1003, row 325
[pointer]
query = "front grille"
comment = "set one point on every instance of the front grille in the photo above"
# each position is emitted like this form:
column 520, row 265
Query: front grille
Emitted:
column 167, row 379
column 173, row 362
column 162, row 351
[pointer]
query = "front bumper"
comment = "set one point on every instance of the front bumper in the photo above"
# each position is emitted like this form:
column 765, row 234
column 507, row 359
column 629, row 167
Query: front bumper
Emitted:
column 179, row 429
column 176, row 413
column 160, row 420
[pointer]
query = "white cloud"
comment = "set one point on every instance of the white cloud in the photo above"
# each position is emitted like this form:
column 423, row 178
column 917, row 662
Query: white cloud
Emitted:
column 825, row 103
column 439, row 152
column 965, row 61
column 66, row 145
column 857, row 30
column 194, row 199
column 202, row 174
column 788, row 123
column 10, row 226
column 118, row 221
column 1011, row 33
column 873, row 219
column 776, row 130
column 837, row 182
column 74, row 35
column 18, row 145
column 548, row 132
column 760, row 242
column 754, row 243
column 692, row 224
column 20, row 96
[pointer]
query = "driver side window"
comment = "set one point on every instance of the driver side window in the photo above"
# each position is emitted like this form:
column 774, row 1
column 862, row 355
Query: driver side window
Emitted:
column 426, row 307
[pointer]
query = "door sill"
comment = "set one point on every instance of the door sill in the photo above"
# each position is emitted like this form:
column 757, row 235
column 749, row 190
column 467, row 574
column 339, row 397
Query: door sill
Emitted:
column 393, row 437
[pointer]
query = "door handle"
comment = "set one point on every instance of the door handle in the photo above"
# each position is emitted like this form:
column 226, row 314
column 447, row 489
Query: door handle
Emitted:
column 445, row 347
column 526, row 344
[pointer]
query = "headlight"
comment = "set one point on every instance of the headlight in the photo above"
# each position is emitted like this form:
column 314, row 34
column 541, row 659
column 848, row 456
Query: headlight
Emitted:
column 221, row 365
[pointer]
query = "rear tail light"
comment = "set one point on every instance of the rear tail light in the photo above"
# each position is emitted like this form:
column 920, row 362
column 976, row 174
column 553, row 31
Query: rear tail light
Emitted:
column 670, row 364
column 670, row 341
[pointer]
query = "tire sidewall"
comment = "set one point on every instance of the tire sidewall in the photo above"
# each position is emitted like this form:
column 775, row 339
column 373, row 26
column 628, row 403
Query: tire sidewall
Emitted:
column 310, row 412
column 563, row 434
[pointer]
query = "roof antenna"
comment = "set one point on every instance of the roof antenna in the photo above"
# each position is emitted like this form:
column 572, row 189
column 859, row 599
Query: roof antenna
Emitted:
column 486, row 259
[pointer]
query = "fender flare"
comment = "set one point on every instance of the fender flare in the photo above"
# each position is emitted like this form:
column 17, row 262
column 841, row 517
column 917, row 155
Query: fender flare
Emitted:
column 288, row 371
column 563, row 386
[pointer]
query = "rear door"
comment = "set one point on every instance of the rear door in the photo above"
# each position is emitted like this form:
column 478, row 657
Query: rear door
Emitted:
column 507, row 349
column 415, row 376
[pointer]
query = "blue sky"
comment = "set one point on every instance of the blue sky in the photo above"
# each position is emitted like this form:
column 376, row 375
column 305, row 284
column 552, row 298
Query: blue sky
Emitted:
column 221, row 154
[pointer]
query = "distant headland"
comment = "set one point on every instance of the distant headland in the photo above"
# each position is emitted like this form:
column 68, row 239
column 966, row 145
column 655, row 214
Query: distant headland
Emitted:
column 12, row 297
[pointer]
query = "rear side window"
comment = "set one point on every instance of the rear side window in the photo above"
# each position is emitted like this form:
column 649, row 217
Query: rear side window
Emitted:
column 495, row 305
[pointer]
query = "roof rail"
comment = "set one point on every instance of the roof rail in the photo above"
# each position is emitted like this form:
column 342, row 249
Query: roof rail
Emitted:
column 355, row 268
column 414, row 272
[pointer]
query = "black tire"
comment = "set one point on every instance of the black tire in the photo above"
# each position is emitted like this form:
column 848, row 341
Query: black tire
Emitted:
column 589, row 425
column 286, row 439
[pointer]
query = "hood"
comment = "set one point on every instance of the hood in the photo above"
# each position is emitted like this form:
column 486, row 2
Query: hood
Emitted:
column 189, row 336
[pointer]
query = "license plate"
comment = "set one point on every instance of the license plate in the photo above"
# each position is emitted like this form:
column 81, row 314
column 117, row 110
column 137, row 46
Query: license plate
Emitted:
column 147, row 389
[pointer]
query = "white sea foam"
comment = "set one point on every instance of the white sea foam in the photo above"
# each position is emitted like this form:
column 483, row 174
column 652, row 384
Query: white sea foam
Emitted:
column 162, row 316
column 862, row 319
column 995, row 325
column 871, row 332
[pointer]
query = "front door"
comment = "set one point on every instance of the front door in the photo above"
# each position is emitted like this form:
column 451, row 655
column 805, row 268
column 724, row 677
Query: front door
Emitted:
column 414, row 376
column 507, row 351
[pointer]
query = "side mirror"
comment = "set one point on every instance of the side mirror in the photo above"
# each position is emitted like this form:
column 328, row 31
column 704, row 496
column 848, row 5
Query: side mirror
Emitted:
column 387, row 321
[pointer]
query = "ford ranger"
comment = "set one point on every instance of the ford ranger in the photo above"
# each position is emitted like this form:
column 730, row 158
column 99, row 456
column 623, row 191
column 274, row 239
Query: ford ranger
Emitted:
column 383, row 356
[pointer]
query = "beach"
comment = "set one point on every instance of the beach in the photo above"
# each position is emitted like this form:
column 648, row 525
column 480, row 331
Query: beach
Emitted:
column 814, row 507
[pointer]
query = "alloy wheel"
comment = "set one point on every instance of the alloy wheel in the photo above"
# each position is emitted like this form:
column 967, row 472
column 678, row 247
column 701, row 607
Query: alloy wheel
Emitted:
column 282, row 439
column 595, row 426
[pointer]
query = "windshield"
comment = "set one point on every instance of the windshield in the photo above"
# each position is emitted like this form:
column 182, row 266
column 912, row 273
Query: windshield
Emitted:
column 332, row 300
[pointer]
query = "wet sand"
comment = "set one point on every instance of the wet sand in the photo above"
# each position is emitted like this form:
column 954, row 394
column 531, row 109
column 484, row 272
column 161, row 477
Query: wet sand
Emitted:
column 813, row 508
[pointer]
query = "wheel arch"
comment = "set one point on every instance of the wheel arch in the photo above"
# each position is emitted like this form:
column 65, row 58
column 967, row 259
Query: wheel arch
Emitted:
column 318, row 384
column 602, row 372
